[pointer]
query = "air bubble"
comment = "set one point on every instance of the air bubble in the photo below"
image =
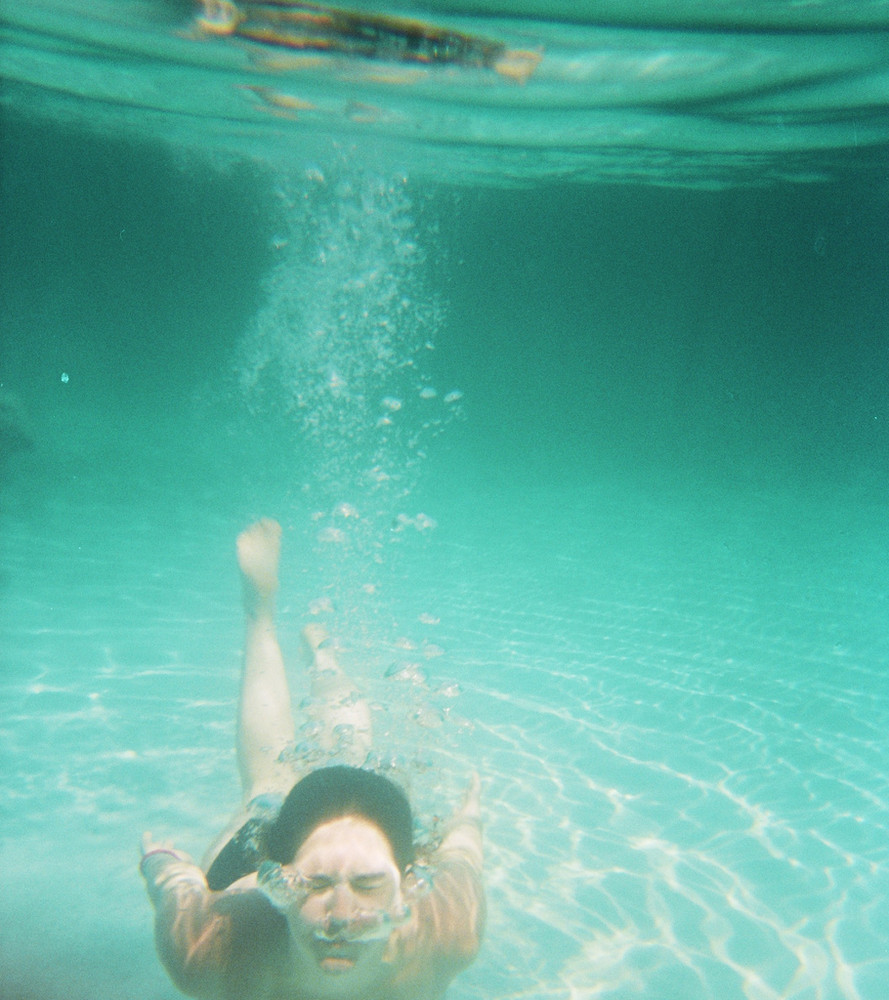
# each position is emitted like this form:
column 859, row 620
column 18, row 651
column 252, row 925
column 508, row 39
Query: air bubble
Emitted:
column 429, row 717
column 345, row 510
column 332, row 535
column 411, row 673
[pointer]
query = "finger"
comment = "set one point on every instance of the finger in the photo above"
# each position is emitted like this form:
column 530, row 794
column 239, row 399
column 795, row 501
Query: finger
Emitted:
column 472, row 795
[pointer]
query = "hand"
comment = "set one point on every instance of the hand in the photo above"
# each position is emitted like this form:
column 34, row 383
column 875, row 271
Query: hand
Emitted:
column 152, row 846
column 463, row 833
column 469, row 808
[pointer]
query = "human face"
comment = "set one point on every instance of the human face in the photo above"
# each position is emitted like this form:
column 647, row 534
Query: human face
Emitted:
column 350, row 902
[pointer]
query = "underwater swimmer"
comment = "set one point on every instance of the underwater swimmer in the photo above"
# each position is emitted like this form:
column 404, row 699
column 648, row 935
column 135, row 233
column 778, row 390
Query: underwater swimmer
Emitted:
column 317, row 897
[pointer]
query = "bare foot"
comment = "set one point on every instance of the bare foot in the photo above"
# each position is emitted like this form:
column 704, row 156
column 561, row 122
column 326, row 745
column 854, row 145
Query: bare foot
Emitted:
column 314, row 635
column 317, row 648
column 259, row 548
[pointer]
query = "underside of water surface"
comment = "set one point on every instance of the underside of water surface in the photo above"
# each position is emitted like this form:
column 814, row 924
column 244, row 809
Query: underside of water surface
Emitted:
column 653, row 91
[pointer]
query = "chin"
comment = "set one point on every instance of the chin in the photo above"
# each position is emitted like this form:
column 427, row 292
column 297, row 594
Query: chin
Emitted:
column 337, row 959
column 344, row 972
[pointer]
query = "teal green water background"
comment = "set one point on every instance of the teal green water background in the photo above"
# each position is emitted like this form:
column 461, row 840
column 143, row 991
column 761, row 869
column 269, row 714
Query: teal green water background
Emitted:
column 621, row 545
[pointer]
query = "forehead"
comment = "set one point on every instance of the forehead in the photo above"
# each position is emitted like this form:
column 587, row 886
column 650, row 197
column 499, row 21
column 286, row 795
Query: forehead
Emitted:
column 349, row 844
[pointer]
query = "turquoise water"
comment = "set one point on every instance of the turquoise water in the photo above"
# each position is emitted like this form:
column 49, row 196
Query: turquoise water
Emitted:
column 589, row 479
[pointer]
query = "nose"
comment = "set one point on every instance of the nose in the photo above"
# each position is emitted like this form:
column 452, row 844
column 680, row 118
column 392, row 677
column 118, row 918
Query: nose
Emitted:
column 342, row 906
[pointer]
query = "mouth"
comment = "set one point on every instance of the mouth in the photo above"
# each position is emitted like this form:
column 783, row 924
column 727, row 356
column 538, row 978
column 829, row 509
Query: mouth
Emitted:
column 335, row 954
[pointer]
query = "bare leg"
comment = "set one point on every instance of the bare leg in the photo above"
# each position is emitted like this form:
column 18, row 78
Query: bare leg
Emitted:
column 340, row 709
column 265, row 720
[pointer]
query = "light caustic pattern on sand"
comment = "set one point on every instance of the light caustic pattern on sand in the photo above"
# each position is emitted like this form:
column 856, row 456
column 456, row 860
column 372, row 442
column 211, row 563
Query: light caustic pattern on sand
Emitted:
column 671, row 819
column 685, row 792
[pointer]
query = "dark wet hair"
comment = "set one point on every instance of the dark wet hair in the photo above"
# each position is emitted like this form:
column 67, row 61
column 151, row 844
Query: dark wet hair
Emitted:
column 332, row 792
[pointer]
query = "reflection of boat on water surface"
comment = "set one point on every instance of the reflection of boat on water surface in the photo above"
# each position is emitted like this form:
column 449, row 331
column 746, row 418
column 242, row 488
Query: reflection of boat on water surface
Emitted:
column 314, row 27
column 644, row 90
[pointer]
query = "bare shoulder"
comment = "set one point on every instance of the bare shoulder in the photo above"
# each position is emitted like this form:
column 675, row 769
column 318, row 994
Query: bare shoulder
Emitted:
column 247, row 882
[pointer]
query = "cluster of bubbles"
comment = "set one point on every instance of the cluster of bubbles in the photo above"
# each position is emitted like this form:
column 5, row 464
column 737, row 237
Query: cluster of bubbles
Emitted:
column 288, row 890
column 340, row 345
column 337, row 363
column 336, row 366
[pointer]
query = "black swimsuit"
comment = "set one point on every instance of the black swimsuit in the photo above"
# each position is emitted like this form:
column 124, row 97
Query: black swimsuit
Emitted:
column 241, row 856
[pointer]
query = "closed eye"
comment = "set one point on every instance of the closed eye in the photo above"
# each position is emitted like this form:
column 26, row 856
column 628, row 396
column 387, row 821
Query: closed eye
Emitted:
column 318, row 883
column 368, row 883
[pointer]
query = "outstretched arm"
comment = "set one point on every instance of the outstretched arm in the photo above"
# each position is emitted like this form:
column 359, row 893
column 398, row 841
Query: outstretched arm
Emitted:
column 463, row 834
column 447, row 923
column 457, row 864
column 214, row 945
column 190, row 939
